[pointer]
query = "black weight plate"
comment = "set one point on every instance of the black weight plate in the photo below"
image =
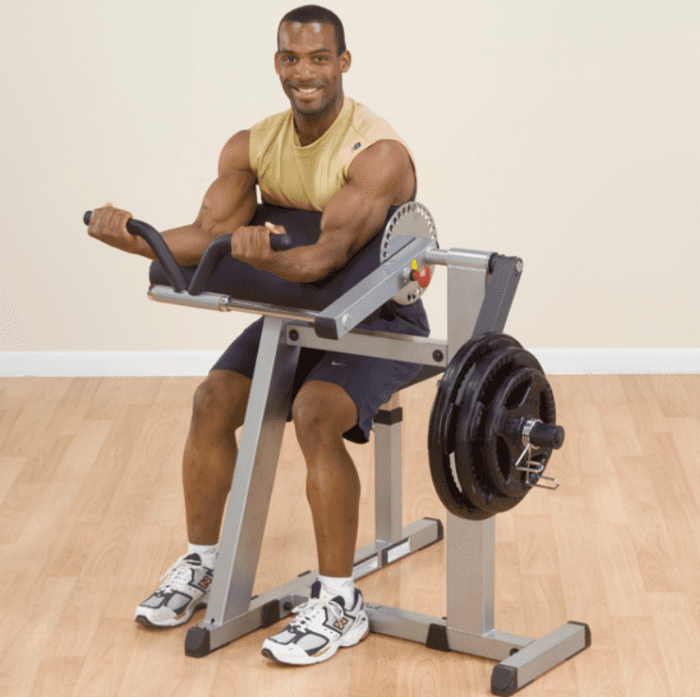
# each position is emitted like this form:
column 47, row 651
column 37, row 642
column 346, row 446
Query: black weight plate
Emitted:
column 442, row 424
column 525, row 394
column 483, row 383
column 441, row 430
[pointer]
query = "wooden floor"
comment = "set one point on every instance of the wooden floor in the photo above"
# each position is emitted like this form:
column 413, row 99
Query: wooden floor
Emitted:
column 91, row 515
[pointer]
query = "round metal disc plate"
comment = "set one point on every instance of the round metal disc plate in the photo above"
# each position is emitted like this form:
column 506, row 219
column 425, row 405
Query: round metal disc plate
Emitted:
column 524, row 394
column 412, row 220
column 469, row 444
column 475, row 450
column 443, row 424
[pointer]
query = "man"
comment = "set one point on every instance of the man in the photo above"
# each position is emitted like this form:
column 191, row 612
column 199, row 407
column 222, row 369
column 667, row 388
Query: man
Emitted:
column 326, row 153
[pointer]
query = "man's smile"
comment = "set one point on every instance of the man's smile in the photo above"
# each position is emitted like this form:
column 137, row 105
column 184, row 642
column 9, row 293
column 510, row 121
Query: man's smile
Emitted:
column 306, row 92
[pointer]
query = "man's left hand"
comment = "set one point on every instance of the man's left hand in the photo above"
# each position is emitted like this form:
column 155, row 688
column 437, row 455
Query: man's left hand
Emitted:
column 251, row 244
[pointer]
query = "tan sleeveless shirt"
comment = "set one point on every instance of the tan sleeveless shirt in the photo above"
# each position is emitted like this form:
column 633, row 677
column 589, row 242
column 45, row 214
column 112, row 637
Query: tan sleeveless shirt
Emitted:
column 306, row 177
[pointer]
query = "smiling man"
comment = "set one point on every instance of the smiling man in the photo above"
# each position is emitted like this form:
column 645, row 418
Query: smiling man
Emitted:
column 326, row 153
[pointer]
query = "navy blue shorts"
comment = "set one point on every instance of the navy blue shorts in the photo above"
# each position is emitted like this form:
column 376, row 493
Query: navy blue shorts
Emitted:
column 370, row 382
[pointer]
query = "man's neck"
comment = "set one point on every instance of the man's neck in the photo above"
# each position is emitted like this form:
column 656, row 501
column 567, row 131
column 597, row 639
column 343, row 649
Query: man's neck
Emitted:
column 310, row 128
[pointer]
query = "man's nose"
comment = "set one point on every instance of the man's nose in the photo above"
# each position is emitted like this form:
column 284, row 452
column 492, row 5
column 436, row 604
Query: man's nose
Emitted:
column 304, row 69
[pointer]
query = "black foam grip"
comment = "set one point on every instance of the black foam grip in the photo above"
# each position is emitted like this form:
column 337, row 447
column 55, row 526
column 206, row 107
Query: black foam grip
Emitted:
column 280, row 243
column 154, row 240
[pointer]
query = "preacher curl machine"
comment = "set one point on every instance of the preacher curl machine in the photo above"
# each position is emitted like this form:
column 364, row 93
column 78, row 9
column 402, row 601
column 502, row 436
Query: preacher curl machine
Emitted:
column 492, row 427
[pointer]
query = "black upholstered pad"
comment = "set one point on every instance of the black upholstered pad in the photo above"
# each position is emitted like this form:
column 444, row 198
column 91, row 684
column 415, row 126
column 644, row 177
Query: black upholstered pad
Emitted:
column 243, row 282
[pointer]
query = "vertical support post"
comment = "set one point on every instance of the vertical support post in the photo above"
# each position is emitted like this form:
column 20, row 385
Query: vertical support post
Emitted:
column 471, row 564
column 388, row 493
column 470, row 544
column 254, row 476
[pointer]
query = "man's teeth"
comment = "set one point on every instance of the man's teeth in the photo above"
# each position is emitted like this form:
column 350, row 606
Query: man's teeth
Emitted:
column 306, row 90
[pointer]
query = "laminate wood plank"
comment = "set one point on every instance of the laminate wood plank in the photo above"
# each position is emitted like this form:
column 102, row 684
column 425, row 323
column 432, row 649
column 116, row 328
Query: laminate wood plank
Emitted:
column 645, row 409
column 655, row 558
column 599, row 673
column 8, row 418
column 109, row 465
column 685, row 436
column 673, row 397
column 107, row 661
column 643, row 672
column 679, row 641
column 57, row 677
column 622, row 578
column 34, row 620
column 637, row 480
column 75, row 631
column 10, row 467
column 159, row 664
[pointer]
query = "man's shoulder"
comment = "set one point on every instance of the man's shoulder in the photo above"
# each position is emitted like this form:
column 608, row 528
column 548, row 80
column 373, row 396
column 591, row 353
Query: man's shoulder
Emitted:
column 375, row 134
column 366, row 121
column 270, row 121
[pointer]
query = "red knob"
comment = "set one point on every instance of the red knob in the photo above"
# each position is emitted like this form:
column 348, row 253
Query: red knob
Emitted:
column 422, row 276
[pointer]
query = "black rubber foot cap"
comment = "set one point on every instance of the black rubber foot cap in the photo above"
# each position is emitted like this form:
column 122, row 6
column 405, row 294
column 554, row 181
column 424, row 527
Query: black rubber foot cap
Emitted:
column 197, row 642
column 504, row 681
column 437, row 638
column 271, row 613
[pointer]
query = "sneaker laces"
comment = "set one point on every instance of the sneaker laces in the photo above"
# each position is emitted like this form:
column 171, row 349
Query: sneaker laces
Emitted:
column 310, row 610
column 178, row 573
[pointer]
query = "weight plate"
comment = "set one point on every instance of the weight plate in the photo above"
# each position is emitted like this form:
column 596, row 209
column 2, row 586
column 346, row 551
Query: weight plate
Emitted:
column 442, row 425
column 478, row 393
column 524, row 395
column 441, row 432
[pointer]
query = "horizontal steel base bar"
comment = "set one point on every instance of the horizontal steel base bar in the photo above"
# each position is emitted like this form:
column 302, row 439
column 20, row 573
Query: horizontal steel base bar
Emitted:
column 522, row 660
column 273, row 605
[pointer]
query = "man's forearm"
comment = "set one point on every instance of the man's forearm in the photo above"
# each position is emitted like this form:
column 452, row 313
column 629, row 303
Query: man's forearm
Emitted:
column 187, row 244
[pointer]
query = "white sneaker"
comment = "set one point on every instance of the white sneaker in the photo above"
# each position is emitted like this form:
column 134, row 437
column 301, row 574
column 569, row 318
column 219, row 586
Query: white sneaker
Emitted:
column 185, row 590
column 323, row 625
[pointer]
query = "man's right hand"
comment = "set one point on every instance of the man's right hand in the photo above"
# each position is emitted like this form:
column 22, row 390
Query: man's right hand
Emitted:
column 108, row 225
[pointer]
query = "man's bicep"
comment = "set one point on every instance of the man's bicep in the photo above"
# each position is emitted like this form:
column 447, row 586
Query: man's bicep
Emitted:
column 378, row 178
column 385, row 171
column 230, row 200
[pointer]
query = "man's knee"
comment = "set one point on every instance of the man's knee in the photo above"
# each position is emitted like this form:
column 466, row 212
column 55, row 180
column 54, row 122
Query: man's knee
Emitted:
column 220, row 401
column 323, row 409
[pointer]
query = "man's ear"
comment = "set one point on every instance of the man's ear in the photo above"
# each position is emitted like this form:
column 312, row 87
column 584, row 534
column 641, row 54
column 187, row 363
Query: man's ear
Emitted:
column 277, row 62
column 345, row 61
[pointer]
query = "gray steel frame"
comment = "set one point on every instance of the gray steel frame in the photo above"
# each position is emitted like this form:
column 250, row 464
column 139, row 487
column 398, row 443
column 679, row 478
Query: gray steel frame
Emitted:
column 481, row 288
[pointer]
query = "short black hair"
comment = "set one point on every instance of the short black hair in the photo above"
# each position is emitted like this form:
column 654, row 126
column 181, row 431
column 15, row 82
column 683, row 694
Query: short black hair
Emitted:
column 315, row 13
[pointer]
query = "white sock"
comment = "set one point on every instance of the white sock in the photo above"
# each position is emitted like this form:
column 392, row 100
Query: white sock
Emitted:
column 344, row 587
column 207, row 553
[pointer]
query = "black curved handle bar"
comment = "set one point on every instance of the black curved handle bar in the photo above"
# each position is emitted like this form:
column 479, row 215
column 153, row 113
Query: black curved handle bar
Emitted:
column 157, row 244
column 214, row 253
column 216, row 250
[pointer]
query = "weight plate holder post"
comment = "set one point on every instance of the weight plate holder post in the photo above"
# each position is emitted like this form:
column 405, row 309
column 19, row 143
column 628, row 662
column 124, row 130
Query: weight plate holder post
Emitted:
column 492, row 431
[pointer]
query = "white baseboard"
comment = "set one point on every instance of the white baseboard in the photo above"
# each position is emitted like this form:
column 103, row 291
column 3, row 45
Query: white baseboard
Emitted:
column 198, row 363
column 107, row 364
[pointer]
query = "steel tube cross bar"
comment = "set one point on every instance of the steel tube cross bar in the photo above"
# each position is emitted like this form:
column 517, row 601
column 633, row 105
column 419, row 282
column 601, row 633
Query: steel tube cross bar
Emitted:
column 225, row 303
column 464, row 258
column 372, row 292
column 396, row 347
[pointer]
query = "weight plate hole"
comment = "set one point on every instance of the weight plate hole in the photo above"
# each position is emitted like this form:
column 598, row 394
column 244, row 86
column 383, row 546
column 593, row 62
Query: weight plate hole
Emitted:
column 504, row 458
column 517, row 396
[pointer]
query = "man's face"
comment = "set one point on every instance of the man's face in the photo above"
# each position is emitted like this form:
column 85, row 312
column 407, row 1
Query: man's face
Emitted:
column 309, row 68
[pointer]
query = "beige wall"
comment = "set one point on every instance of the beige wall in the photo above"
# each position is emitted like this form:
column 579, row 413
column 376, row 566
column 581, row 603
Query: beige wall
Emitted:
column 563, row 132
